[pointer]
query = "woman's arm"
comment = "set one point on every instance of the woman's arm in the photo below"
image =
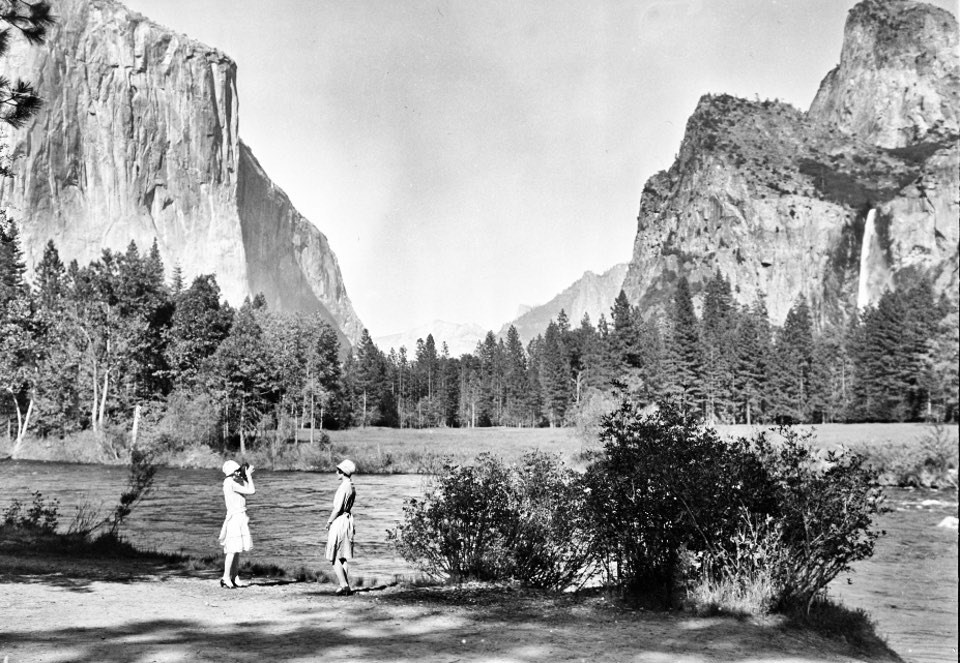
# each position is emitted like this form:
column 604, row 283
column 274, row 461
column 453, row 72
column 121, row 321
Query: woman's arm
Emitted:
column 245, row 488
column 338, row 502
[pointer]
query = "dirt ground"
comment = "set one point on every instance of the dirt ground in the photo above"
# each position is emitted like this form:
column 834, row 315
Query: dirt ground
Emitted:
column 60, row 610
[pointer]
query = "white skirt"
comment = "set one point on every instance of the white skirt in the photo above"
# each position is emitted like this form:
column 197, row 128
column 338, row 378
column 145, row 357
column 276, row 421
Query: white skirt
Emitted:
column 340, row 538
column 235, row 533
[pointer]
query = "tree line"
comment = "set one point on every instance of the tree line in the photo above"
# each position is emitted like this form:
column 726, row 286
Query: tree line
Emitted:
column 86, row 347
column 896, row 361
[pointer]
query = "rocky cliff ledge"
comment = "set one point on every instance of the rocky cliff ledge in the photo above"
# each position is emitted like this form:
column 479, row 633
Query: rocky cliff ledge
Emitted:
column 138, row 140
column 858, row 195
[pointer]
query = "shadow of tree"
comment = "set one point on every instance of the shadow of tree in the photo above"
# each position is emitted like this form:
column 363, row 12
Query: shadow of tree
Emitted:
column 381, row 636
column 159, row 613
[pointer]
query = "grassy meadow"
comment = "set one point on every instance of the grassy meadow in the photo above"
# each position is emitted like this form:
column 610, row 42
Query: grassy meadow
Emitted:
column 907, row 453
column 458, row 445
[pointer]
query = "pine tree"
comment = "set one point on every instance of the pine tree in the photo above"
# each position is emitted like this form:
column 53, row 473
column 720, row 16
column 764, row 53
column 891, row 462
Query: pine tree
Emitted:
column 752, row 352
column 13, row 285
column 51, row 276
column 176, row 281
column 683, row 362
column 515, row 380
column 793, row 366
column 943, row 367
column 369, row 379
column 555, row 379
column 718, row 327
column 623, row 335
column 199, row 324
column 600, row 365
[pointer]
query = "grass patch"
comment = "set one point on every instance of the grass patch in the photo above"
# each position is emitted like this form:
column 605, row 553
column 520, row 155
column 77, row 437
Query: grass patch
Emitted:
column 413, row 449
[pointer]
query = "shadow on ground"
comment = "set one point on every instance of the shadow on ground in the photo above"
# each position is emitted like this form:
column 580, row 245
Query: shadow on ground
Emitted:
column 282, row 621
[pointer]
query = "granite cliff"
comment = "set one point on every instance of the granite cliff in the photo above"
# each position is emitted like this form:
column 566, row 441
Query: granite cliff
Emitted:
column 859, row 194
column 138, row 139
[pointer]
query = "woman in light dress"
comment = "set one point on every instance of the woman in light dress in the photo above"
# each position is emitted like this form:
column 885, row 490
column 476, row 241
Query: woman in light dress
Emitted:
column 340, row 526
column 235, row 533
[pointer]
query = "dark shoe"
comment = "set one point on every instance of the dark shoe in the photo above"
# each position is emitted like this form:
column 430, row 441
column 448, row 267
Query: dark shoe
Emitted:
column 223, row 583
column 343, row 591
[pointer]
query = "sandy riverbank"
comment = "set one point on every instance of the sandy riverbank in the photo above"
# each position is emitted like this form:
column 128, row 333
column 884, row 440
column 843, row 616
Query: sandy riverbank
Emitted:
column 58, row 610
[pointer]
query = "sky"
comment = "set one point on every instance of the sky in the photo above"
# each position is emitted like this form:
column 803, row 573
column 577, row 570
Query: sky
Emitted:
column 465, row 158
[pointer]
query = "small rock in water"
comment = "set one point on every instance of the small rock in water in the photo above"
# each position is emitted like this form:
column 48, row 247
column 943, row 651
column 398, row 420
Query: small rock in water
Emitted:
column 950, row 522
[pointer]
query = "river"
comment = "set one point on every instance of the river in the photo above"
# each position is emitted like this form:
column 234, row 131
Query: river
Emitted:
column 909, row 586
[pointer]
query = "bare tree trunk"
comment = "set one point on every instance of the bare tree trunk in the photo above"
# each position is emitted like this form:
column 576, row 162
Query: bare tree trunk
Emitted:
column 23, row 423
column 313, row 414
column 136, row 428
column 96, row 398
column 243, row 441
column 103, row 399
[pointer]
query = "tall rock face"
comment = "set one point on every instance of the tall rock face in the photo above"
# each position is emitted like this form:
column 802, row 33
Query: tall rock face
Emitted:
column 896, row 84
column 592, row 295
column 858, row 195
column 138, row 140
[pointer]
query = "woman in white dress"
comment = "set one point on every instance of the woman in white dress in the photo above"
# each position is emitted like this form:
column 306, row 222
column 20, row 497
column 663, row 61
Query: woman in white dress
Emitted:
column 340, row 526
column 235, row 533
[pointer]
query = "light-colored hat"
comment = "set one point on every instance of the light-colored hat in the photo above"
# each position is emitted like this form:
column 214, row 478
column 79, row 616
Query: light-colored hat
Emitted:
column 230, row 467
column 348, row 467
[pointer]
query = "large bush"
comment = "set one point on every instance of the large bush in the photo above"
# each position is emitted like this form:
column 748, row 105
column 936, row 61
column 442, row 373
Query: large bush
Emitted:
column 664, row 484
column 756, row 524
column 490, row 521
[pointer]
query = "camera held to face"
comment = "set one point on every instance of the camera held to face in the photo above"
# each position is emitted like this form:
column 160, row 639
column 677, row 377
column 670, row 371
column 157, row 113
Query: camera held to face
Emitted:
column 241, row 472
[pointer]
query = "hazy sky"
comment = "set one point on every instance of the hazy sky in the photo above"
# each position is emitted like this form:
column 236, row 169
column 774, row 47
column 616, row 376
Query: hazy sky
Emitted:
column 467, row 157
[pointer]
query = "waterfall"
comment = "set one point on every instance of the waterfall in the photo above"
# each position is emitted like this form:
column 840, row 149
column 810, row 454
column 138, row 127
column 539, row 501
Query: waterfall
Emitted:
column 869, row 232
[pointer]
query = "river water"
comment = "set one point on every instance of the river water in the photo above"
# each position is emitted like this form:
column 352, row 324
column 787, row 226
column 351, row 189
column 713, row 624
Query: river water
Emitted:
column 909, row 586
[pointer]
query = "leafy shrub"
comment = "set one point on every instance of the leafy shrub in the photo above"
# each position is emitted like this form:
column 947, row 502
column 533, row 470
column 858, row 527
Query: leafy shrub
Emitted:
column 42, row 516
column 665, row 483
column 743, row 526
column 548, row 545
column 825, row 502
column 457, row 530
column 488, row 521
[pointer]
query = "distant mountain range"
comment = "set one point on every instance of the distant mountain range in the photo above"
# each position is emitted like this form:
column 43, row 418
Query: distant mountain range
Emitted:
column 591, row 295
column 460, row 338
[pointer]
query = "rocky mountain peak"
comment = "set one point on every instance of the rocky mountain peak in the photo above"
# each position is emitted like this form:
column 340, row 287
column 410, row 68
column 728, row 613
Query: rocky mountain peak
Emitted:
column 857, row 195
column 898, row 81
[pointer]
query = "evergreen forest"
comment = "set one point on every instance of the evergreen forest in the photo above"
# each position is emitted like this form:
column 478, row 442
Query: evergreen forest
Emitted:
column 92, row 347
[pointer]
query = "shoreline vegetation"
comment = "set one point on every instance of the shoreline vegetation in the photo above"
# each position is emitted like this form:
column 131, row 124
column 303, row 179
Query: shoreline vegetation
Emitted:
column 907, row 455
